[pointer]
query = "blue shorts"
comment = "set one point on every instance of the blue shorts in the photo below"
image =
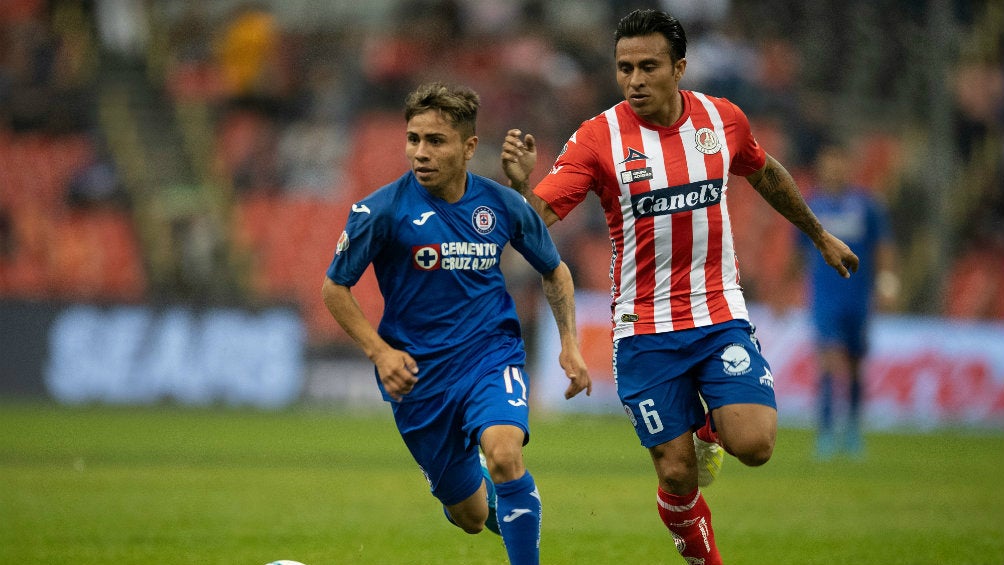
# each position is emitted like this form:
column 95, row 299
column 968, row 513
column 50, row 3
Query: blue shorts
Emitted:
column 661, row 378
column 443, row 432
column 847, row 328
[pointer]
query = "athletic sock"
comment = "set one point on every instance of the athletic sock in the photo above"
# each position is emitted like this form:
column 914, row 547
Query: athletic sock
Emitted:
column 689, row 520
column 706, row 433
column 826, row 401
column 518, row 510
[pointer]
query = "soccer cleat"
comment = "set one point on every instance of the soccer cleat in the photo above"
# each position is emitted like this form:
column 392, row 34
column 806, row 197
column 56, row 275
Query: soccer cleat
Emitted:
column 710, row 455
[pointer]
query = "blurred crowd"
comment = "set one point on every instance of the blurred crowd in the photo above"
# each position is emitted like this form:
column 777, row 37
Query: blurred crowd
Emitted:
column 287, row 111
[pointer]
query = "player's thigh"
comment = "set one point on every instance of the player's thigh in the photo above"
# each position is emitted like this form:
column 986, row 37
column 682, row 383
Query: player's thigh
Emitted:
column 657, row 392
column 747, row 431
column 432, row 430
column 497, row 416
column 734, row 370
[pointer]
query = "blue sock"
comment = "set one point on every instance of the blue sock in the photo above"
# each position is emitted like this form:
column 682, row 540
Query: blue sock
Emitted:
column 825, row 414
column 518, row 508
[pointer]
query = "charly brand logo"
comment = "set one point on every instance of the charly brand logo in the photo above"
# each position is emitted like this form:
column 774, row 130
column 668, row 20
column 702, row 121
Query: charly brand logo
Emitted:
column 634, row 155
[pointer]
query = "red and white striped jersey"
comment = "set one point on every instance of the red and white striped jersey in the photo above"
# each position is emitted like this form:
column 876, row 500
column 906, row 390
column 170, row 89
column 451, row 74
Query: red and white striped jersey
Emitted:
column 663, row 190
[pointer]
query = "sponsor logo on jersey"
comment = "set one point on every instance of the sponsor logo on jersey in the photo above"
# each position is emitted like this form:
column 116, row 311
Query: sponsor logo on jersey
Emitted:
column 707, row 142
column 736, row 360
column 343, row 243
column 361, row 208
column 634, row 155
column 674, row 199
column 629, row 318
column 636, row 175
column 425, row 257
column 483, row 219
column 455, row 256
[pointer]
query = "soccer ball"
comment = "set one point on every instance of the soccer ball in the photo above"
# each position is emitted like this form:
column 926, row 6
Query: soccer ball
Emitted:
column 284, row 562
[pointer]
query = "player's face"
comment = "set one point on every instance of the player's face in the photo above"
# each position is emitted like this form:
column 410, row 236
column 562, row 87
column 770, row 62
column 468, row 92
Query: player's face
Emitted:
column 438, row 154
column 648, row 77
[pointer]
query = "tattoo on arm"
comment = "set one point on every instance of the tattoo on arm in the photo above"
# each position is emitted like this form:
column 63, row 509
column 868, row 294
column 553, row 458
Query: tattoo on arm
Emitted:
column 778, row 188
column 561, row 297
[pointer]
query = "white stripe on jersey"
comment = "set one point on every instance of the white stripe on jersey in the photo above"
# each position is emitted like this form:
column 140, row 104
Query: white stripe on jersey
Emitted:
column 698, row 226
column 628, row 280
column 730, row 271
column 662, row 312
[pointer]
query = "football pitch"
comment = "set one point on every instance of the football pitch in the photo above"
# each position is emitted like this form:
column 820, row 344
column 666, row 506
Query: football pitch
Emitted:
column 326, row 486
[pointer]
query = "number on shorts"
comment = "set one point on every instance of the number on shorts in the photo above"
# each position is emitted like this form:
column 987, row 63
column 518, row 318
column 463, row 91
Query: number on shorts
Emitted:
column 511, row 374
column 651, row 417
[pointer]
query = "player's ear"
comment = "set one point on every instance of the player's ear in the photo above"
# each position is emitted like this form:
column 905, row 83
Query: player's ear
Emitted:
column 470, row 145
column 679, row 68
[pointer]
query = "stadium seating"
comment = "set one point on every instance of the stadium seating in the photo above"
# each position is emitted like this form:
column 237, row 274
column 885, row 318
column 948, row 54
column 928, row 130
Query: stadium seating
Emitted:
column 60, row 252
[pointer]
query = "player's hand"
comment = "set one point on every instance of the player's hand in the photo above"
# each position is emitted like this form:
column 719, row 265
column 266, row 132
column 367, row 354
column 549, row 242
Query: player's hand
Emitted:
column 519, row 156
column 575, row 368
column 838, row 255
column 398, row 372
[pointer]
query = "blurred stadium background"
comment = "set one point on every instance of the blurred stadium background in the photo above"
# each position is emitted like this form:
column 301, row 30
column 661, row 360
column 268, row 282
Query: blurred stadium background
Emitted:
column 174, row 175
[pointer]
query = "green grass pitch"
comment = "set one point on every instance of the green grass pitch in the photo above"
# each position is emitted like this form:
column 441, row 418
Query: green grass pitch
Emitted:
column 101, row 485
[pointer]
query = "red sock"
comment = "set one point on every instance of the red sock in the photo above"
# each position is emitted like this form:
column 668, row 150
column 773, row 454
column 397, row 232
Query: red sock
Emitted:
column 689, row 520
column 705, row 433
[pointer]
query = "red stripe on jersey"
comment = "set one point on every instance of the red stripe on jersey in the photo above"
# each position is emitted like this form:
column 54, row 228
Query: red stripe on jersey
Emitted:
column 682, row 242
column 644, row 256
column 718, row 307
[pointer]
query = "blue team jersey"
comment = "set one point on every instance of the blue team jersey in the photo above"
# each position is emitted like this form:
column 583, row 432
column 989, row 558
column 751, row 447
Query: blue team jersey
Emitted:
column 438, row 268
column 860, row 221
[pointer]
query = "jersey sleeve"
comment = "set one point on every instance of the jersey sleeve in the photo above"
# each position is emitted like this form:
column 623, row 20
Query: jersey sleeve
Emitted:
column 531, row 238
column 748, row 156
column 359, row 243
column 571, row 177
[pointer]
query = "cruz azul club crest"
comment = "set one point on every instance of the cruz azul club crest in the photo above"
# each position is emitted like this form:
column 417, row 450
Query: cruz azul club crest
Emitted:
column 707, row 141
column 483, row 220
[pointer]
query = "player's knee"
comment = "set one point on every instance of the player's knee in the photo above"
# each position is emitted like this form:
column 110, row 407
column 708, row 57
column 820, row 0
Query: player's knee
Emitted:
column 755, row 452
column 470, row 522
column 676, row 476
column 505, row 464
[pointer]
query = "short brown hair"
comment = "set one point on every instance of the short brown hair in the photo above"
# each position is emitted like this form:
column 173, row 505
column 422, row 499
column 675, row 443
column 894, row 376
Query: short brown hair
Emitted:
column 458, row 104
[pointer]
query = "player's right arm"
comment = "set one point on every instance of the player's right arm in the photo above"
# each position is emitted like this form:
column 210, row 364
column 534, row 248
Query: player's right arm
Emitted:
column 519, row 156
column 559, row 290
column 398, row 371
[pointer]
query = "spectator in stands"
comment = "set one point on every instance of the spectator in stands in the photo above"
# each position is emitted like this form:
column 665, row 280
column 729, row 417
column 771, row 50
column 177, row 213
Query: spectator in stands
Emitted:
column 840, row 307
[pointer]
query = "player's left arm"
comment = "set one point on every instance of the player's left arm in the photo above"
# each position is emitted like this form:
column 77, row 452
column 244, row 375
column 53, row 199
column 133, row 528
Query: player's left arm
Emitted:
column 560, row 293
column 778, row 188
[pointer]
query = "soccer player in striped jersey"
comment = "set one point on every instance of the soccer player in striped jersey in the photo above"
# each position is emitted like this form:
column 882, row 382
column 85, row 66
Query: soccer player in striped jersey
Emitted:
column 448, row 353
column 660, row 161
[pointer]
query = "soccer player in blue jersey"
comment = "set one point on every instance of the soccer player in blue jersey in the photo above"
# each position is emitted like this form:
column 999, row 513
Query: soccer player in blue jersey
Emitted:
column 840, row 307
column 448, row 352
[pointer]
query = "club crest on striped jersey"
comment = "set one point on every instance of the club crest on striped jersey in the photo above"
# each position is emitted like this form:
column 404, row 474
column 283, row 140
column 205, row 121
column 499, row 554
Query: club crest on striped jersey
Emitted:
column 634, row 155
column 483, row 220
column 707, row 142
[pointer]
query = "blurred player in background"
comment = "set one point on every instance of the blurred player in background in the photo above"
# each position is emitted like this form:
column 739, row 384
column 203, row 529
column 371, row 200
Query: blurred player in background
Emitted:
column 659, row 162
column 840, row 308
column 448, row 352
